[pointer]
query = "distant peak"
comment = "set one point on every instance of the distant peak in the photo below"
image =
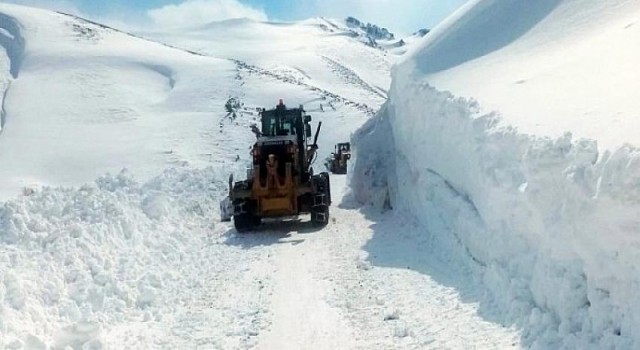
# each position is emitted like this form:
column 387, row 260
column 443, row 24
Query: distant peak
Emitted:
column 371, row 30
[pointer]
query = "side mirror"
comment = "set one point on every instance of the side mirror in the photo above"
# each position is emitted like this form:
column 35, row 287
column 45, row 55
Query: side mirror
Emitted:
column 307, row 129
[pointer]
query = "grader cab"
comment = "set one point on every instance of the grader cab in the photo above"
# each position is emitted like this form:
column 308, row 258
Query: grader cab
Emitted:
column 281, row 182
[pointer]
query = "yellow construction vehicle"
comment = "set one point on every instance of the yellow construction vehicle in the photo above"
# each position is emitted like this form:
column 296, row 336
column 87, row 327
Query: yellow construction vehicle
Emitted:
column 281, row 182
column 337, row 161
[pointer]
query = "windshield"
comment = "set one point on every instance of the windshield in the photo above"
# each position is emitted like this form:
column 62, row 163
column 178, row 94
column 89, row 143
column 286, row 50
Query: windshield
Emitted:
column 273, row 125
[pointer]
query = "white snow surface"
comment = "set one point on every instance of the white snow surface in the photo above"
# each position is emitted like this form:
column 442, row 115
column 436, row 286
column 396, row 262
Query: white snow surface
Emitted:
column 314, row 52
column 139, row 260
column 548, row 67
column 80, row 93
column 509, row 136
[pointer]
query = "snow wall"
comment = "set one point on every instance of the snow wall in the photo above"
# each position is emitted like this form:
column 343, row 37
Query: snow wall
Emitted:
column 551, row 224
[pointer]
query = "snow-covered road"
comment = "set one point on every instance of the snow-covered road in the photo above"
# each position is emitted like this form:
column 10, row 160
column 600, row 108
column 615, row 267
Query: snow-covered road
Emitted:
column 367, row 281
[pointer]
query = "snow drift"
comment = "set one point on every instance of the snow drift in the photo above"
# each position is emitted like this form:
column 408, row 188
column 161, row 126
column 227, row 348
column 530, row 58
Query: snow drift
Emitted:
column 110, row 251
column 550, row 220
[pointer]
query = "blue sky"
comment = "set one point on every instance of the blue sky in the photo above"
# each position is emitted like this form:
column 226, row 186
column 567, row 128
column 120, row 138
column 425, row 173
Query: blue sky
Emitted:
column 403, row 16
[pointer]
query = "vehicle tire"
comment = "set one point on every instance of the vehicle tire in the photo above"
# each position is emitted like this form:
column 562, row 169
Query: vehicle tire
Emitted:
column 320, row 210
column 327, row 185
column 243, row 222
column 320, row 216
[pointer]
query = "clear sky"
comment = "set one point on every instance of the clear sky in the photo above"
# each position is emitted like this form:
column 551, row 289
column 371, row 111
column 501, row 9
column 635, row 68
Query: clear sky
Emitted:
column 402, row 16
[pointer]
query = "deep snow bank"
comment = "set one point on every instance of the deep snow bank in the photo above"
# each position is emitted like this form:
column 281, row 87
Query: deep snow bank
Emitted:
column 552, row 228
column 550, row 221
column 76, row 261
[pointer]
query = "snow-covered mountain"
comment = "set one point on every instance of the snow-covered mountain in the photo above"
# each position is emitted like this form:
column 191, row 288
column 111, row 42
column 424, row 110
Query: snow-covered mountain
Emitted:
column 510, row 133
column 371, row 30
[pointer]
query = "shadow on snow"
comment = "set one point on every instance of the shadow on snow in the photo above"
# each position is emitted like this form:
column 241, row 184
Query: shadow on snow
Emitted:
column 272, row 232
column 399, row 242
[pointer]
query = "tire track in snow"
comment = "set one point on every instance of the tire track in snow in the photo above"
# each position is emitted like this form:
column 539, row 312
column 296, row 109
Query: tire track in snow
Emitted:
column 302, row 317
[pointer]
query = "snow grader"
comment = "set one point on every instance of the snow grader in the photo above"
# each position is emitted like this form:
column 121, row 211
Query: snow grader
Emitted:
column 337, row 161
column 281, row 182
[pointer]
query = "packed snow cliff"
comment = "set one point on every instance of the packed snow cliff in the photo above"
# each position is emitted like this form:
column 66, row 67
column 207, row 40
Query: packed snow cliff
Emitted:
column 508, row 133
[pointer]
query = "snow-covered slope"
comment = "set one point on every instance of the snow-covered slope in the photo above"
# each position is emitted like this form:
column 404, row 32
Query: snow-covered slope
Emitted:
column 80, row 94
column 549, row 220
column 558, row 66
column 320, row 52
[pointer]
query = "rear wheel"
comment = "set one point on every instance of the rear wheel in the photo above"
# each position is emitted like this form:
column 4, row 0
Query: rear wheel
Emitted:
column 320, row 215
column 321, row 200
column 326, row 186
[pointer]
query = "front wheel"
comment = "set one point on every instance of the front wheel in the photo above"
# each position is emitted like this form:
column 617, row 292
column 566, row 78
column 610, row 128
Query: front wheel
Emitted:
column 244, row 222
column 320, row 216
